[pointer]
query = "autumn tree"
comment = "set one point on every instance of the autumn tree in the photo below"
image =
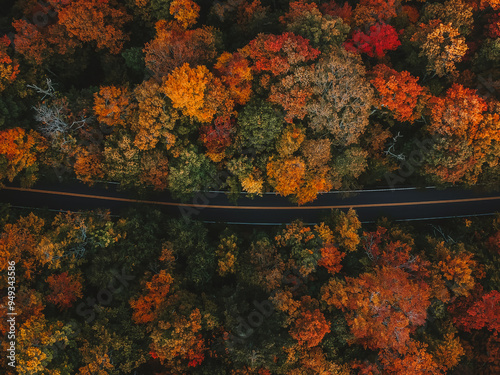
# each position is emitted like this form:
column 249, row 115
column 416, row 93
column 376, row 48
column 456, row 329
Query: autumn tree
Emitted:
column 469, row 124
column 459, row 113
column 148, row 306
column 457, row 268
column 110, row 105
column 197, row 93
column 303, row 244
column 88, row 165
column 65, row 289
column 19, row 243
column 331, row 258
column 185, row 12
column 277, row 54
column 442, row 45
column 153, row 119
column 20, row 151
column 457, row 13
column 36, row 339
column 399, row 92
column 9, row 69
column 287, row 175
column 413, row 359
column 236, row 74
column 342, row 98
column 97, row 21
column 382, row 307
column 154, row 170
column 310, row 328
column 370, row 11
column 482, row 313
column 174, row 46
column 218, row 137
column 324, row 32
column 293, row 91
column 380, row 39
column 178, row 343
column 346, row 226
column 227, row 252
column 39, row 45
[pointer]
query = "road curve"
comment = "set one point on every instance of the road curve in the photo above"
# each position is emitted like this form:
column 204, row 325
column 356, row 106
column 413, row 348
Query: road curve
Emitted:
column 399, row 204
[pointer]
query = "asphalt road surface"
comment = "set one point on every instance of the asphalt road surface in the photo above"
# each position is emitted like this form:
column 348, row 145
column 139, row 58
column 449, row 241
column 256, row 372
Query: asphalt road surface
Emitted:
column 396, row 204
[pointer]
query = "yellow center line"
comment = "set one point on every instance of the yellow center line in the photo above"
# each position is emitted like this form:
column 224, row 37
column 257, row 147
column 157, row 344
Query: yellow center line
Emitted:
column 103, row 197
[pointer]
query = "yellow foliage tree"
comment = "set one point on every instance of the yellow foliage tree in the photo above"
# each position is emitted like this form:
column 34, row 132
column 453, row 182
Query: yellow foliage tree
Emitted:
column 185, row 12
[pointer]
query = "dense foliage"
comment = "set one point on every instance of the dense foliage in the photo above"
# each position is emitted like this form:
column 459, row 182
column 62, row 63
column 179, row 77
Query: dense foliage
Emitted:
column 297, row 97
column 145, row 294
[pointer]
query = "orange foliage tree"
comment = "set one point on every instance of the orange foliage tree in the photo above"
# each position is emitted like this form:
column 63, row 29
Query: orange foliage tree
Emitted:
column 459, row 113
column 367, row 12
column 154, row 166
column 19, row 243
column 415, row 359
column 287, row 176
column 178, row 342
column 185, row 12
column 276, row 54
column 9, row 69
column 331, row 257
column 399, row 92
column 235, row 72
column 88, row 165
column 197, row 93
column 21, row 150
column 382, row 308
column 310, row 328
column 110, row 104
column 442, row 45
column 147, row 307
column 97, row 21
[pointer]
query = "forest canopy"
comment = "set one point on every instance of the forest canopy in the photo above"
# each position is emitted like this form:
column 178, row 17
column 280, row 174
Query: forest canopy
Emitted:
column 295, row 97
column 144, row 293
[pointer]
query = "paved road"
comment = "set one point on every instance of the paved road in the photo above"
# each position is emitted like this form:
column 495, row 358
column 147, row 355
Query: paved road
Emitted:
column 398, row 204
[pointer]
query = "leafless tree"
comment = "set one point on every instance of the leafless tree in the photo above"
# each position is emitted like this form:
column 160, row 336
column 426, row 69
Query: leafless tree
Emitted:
column 390, row 150
column 53, row 120
column 49, row 91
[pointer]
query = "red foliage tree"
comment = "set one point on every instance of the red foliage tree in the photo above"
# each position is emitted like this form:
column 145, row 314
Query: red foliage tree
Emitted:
column 65, row 289
column 380, row 39
column 331, row 257
column 276, row 54
column 218, row 136
column 493, row 28
column 483, row 313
